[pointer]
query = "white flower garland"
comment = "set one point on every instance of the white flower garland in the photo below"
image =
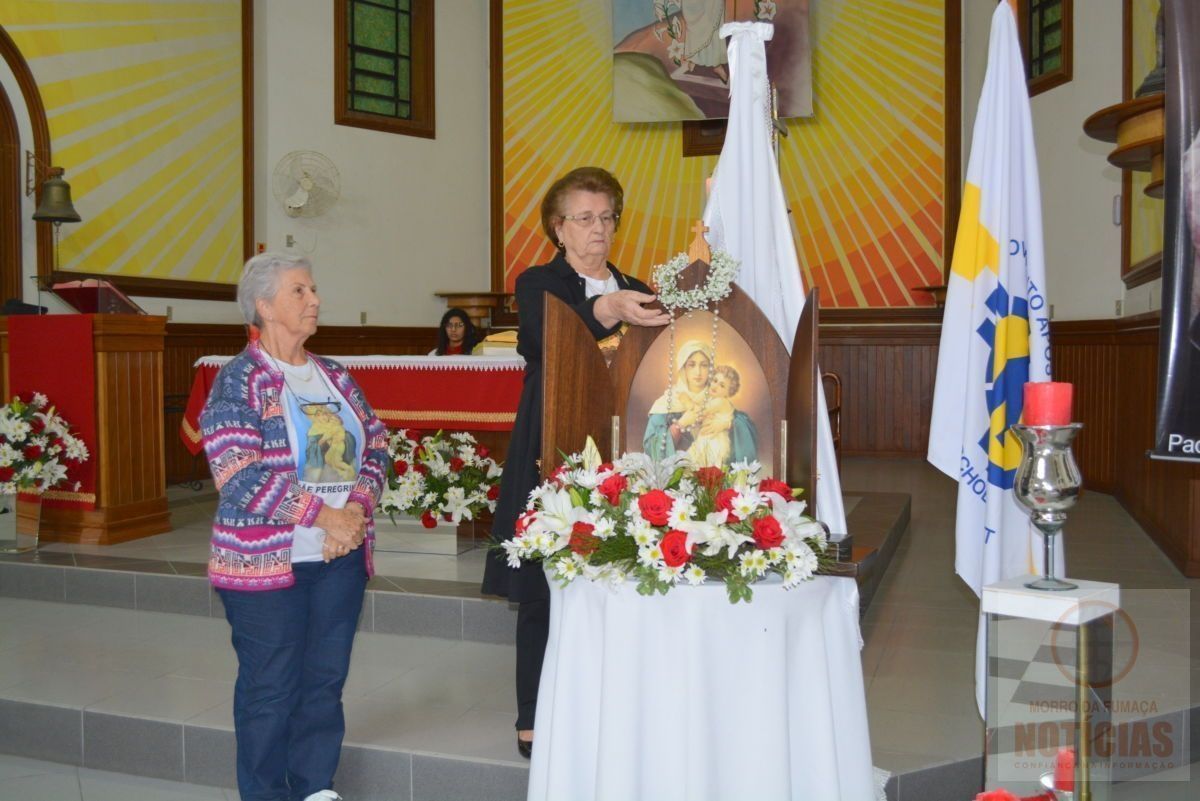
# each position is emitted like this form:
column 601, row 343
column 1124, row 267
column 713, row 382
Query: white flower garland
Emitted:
column 722, row 270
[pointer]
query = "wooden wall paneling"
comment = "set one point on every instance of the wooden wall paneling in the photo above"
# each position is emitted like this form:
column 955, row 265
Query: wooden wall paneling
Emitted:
column 1114, row 366
column 887, row 363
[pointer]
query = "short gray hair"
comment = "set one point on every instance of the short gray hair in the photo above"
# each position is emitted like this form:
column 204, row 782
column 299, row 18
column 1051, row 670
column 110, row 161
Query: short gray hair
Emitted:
column 260, row 280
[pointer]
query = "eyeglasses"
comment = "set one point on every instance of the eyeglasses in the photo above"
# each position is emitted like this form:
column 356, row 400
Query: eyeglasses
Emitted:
column 586, row 219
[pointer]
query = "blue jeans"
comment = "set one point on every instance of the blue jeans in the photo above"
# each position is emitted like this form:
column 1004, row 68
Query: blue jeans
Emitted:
column 293, row 647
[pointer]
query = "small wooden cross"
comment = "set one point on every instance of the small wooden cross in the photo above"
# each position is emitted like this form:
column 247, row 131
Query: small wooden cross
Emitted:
column 699, row 250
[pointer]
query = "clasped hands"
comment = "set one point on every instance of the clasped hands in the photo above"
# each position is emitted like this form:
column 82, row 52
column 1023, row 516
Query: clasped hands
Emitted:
column 344, row 529
column 625, row 306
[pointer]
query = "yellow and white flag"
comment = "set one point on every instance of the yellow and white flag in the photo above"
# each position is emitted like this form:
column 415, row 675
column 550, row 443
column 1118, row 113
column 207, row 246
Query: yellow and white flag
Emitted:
column 995, row 332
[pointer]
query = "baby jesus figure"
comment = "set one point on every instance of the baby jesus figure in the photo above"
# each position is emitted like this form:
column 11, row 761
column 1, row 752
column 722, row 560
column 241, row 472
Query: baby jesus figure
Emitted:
column 712, row 425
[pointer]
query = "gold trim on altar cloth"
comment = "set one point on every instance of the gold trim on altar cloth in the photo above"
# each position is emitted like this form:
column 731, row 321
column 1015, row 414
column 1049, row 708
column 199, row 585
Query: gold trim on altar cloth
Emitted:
column 434, row 414
column 73, row 497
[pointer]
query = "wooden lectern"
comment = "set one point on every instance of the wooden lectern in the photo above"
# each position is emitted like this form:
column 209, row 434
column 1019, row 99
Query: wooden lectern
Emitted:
column 114, row 397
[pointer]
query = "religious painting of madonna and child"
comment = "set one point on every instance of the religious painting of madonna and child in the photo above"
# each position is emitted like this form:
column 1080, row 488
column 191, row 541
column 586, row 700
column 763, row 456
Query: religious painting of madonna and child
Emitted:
column 670, row 62
column 329, row 454
column 713, row 405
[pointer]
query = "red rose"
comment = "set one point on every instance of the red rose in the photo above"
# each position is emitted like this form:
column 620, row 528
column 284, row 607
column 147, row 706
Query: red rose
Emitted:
column 724, row 502
column 420, row 468
column 456, row 464
column 37, row 424
column 607, row 467
column 32, row 451
column 401, row 467
column 428, row 520
column 483, row 451
column 413, row 434
column 767, row 533
column 674, row 548
column 998, row 795
column 418, row 452
column 711, row 478
column 493, row 492
column 7, row 473
column 776, row 486
column 655, row 505
column 612, row 487
column 523, row 522
column 583, row 541
column 446, row 516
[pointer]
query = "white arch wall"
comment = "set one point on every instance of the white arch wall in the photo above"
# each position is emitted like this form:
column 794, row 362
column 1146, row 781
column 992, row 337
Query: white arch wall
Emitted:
column 28, row 226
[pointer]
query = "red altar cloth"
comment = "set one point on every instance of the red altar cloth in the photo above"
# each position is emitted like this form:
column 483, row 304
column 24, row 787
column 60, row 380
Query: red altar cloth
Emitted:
column 474, row 393
column 54, row 354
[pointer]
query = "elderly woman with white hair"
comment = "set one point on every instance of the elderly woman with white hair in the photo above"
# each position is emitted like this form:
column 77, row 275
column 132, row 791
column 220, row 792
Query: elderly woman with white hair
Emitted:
column 299, row 459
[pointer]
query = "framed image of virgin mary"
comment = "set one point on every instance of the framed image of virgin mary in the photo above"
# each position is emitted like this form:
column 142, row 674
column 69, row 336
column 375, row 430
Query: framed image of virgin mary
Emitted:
column 686, row 398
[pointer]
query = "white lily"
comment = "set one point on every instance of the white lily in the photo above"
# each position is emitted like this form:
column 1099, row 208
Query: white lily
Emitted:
column 559, row 513
column 457, row 505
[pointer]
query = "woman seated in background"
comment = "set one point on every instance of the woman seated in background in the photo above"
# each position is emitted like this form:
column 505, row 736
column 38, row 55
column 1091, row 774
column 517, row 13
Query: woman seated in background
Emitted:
column 456, row 335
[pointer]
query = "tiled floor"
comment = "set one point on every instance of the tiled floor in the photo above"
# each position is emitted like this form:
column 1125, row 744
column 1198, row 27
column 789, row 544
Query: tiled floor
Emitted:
column 33, row 780
column 918, row 658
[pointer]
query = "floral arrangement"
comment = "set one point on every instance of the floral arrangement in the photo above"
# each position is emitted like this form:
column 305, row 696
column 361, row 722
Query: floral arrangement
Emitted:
column 722, row 270
column 447, row 476
column 666, row 522
column 34, row 442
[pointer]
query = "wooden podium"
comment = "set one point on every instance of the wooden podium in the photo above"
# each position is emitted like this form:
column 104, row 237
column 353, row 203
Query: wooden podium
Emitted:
column 115, row 392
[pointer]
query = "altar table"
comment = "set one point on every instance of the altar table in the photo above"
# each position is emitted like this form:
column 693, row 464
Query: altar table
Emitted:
column 454, row 393
column 688, row 697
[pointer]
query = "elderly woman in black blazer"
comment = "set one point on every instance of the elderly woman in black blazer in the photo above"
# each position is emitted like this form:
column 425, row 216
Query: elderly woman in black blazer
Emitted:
column 580, row 213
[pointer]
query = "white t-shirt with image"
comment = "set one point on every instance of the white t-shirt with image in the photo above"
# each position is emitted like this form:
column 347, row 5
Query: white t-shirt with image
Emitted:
column 327, row 446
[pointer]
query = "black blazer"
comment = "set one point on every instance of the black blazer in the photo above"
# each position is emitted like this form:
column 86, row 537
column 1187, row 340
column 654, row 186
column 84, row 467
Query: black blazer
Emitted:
column 521, row 472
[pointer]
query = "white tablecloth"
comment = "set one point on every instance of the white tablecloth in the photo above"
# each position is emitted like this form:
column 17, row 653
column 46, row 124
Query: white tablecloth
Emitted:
column 686, row 696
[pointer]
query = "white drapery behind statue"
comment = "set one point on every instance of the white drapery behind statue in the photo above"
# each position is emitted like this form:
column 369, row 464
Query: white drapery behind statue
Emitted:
column 747, row 216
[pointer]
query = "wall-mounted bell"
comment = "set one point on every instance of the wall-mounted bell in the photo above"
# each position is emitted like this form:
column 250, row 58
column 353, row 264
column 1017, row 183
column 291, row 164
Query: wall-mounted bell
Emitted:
column 56, row 204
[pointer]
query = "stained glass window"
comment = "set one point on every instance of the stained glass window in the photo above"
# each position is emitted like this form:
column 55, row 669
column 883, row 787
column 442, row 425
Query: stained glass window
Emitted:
column 385, row 61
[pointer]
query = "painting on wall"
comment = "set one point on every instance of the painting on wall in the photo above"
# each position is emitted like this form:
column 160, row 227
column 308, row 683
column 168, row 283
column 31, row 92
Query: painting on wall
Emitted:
column 144, row 103
column 669, row 61
column 872, row 180
column 1143, row 231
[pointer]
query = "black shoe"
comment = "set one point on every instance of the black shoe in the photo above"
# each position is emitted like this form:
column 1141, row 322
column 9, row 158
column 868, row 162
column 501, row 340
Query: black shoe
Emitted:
column 525, row 747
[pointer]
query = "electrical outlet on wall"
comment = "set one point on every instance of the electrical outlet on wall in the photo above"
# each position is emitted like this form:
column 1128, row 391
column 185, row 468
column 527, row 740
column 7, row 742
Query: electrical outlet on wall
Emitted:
column 362, row 318
column 1051, row 311
column 1117, row 310
column 170, row 313
column 289, row 241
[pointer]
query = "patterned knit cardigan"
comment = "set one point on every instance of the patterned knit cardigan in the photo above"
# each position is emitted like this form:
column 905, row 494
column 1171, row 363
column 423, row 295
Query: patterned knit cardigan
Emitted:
column 245, row 436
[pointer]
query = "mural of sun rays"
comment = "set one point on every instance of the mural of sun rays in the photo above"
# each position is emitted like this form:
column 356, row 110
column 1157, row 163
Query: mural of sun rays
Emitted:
column 863, row 176
column 144, row 105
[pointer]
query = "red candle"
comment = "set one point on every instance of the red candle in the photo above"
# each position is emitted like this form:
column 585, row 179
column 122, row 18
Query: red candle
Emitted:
column 1064, row 769
column 1047, row 403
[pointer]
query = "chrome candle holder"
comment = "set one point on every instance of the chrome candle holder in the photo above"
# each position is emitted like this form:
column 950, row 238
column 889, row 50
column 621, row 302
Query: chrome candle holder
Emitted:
column 1047, row 483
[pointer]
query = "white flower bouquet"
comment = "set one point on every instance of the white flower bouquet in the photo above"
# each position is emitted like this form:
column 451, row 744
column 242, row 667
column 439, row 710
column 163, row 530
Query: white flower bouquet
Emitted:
column 661, row 523
column 448, row 476
column 34, row 442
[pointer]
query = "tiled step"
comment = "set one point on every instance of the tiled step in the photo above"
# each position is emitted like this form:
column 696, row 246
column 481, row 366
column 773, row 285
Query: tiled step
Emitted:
column 122, row 584
column 150, row 694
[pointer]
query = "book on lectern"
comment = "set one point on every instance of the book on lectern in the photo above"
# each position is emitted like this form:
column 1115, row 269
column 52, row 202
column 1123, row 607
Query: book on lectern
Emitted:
column 95, row 296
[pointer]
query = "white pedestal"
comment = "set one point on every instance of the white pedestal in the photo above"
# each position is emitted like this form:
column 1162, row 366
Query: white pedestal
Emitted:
column 1092, row 599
